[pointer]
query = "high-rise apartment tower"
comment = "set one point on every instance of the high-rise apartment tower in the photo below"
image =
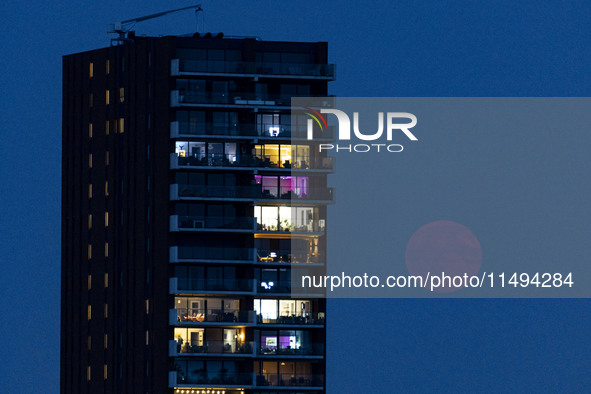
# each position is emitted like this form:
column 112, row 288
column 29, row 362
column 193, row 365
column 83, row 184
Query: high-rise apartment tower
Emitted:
column 186, row 201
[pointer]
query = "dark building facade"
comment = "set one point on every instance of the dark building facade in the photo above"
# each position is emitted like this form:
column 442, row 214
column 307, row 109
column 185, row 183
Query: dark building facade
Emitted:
column 186, row 201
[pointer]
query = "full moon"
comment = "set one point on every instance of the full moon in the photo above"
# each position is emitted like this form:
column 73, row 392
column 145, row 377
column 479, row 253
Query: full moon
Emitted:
column 443, row 247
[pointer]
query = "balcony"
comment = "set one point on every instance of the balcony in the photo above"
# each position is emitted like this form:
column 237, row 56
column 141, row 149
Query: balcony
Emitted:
column 212, row 223
column 210, row 316
column 249, row 162
column 307, row 318
column 287, row 226
column 217, row 379
column 306, row 349
column 252, row 69
column 179, row 98
column 208, row 348
column 289, row 256
column 250, row 193
column 289, row 380
column 245, row 131
column 211, row 254
column 211, row 286
column 273, row 287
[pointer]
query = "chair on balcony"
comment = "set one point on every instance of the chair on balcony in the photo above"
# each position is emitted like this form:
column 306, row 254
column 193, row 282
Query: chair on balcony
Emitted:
column 265, row 259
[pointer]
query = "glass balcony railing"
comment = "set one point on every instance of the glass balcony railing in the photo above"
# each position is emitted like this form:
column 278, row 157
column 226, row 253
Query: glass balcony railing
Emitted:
column 212, row 222
column 194, row 284
column 214, row 347
column 192, row 315
column 289, row 193
column 247, row 130
column 273, row 287
column 307, row 349
column 288, row 226
column 289, row 379
column 289, row 256
column 310, row 318
column 254, row 192
column 178, row 97
column 229, row 98
column 267, row 161
column 207, row 191
column 214, row 378
column 238, row 67
column 212, row 253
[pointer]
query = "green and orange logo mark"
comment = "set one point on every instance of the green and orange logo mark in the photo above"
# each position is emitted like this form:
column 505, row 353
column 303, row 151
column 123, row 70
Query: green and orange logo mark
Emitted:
column 317, row 117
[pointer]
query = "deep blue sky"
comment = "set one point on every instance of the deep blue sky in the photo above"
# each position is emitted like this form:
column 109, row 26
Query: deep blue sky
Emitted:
column 382, row 48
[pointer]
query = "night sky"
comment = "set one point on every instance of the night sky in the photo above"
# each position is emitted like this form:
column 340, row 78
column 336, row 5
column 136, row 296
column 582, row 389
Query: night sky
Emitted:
column 381, row 48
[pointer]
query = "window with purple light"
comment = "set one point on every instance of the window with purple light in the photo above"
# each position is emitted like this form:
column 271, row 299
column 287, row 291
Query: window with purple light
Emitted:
column 283, row 186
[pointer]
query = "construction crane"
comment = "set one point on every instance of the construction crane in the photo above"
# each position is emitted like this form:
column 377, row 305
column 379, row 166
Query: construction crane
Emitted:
column 124, row 27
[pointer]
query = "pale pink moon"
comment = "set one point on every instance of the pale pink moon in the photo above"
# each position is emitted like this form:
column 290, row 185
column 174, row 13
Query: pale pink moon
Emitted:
column 443, row 246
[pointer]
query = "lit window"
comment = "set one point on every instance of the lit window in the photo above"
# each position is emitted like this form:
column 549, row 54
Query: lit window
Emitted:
column 147, row 337
column 89, row 221
column 89, row 312
column 90, row 190
column 106, row 342
column 90, row 100
column 106, row 311
column 106, row 188
column 90, row 130
column 89, row 251
column 147, row 307
column 90, row 160
column 89, row 281
column 107, row 97
column 121, row 95
column 107, row 158
column 107, row 127
column 106, row 219
column 91, row 70
column 106, row 249
column 106, row 280
column 121, row 125
column 105, row 371
column 107, row 66
column 88, row 373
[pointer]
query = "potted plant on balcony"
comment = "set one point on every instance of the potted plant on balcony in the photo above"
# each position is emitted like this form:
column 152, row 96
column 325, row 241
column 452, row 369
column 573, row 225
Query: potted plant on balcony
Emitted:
column 284, row 225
